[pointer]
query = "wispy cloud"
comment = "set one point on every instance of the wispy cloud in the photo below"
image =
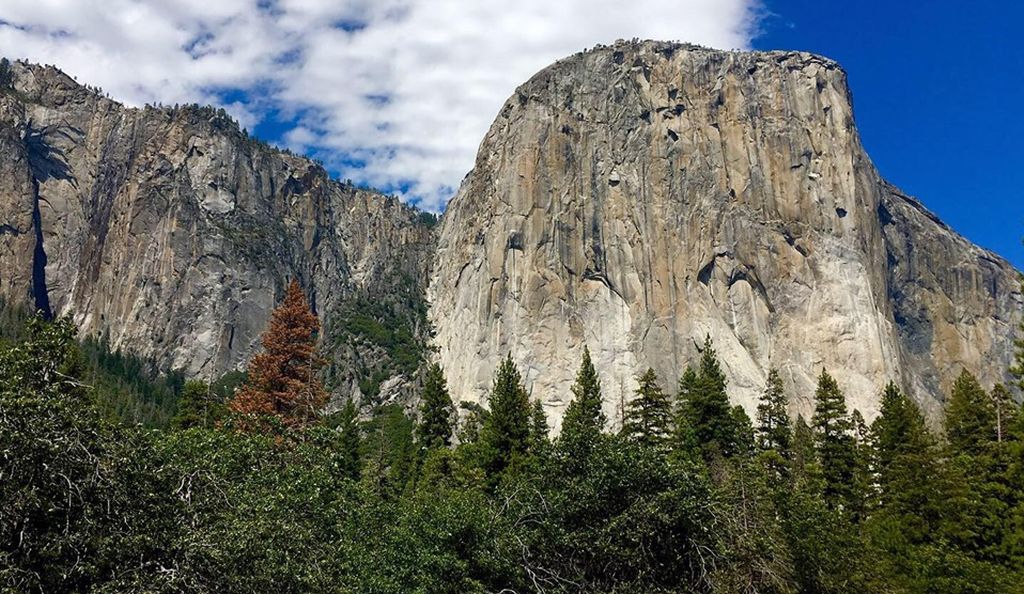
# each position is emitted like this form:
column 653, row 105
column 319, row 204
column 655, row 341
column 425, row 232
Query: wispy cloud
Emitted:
column 406, row 88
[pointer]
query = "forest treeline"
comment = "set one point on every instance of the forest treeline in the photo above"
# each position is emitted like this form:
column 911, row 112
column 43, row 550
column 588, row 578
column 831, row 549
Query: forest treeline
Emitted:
column 255, row 490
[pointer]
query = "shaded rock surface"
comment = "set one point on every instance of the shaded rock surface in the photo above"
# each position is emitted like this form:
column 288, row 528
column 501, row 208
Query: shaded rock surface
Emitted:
column 633, row 198
column 173, row 232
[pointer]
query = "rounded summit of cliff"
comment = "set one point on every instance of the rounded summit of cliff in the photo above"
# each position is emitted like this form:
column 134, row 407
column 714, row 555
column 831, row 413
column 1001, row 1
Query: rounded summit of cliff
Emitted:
column 635, row 197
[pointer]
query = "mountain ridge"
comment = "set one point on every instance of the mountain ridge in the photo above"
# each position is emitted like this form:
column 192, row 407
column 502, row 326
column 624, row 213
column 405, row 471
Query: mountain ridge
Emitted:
column 673, row 173
column 277, row 211
column 177, row 206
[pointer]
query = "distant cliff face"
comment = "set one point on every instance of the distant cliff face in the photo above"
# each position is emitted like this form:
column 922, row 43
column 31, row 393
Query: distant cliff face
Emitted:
column 631, row 198
column 173, row 232
column 637, row 197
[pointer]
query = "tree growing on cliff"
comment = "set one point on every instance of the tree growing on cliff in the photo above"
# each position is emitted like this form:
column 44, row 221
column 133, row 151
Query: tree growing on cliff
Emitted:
column 282, row 380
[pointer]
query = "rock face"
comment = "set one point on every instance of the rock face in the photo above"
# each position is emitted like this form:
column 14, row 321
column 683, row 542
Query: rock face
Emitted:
column 634, row 198
column 175, row 233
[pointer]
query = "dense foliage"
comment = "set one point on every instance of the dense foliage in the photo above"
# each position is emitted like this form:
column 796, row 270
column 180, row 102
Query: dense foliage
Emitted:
column 126, row 387
column 387, row 504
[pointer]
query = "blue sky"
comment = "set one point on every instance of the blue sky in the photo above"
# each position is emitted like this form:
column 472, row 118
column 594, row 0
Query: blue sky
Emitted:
column 397, row 94
column 938, row 91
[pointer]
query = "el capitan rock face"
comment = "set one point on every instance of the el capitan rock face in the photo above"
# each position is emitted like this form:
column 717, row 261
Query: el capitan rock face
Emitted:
column 631, row 198
column 634, row 198
column 175, row 233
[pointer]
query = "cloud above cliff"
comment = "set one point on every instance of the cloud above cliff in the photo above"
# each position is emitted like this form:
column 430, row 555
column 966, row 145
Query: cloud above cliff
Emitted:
column 392, row 93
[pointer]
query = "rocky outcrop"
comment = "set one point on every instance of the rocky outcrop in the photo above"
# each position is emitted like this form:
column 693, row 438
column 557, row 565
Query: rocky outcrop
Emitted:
column 174, row 233
column 634, row 198
column 631, row 198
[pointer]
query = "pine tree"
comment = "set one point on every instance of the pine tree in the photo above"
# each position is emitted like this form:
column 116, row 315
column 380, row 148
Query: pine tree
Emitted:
column 906, row 466
column 584, row 419
column 389, row 450
column 472, row 424
column 436, row 410
column 861, row 486
column 1005, row 409
column 805, row 516
column 282, row 380
column 705, row 406
column 835, row 444
column 805, row 455
column 197, row 406
column 743, row 431
column 970, row 421
column 684, row 440
column 773, row 431
column 349, row 438
column 648, row 416
column 538, row 427
column 506, row 430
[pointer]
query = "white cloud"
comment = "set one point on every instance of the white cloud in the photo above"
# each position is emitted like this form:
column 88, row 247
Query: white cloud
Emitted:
column 407, row 86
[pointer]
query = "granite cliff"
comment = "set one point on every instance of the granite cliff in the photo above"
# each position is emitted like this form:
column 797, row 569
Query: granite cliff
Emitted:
column 631, row 198
column 634, row 198
column 174, row 233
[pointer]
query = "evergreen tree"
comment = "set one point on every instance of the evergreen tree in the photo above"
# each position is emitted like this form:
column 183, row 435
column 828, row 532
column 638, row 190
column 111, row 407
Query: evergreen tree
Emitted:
column 981, row 466
column 805, row 515
column 835, row 444
column 346, row 423
column 538, row 427
column 584, row 418
column 472, row 422
column 743, row 431
column 282, row 380
column 684, row 438
column 970, row 421
column 805, row 455
column 861, row 487
column 773, row 431
column 1005, row 409
column 436, row 410
column 506, row 430
column 197, row 406
column 389, row 451
column 705, row 406
column 906, row 466
column 648, row 416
